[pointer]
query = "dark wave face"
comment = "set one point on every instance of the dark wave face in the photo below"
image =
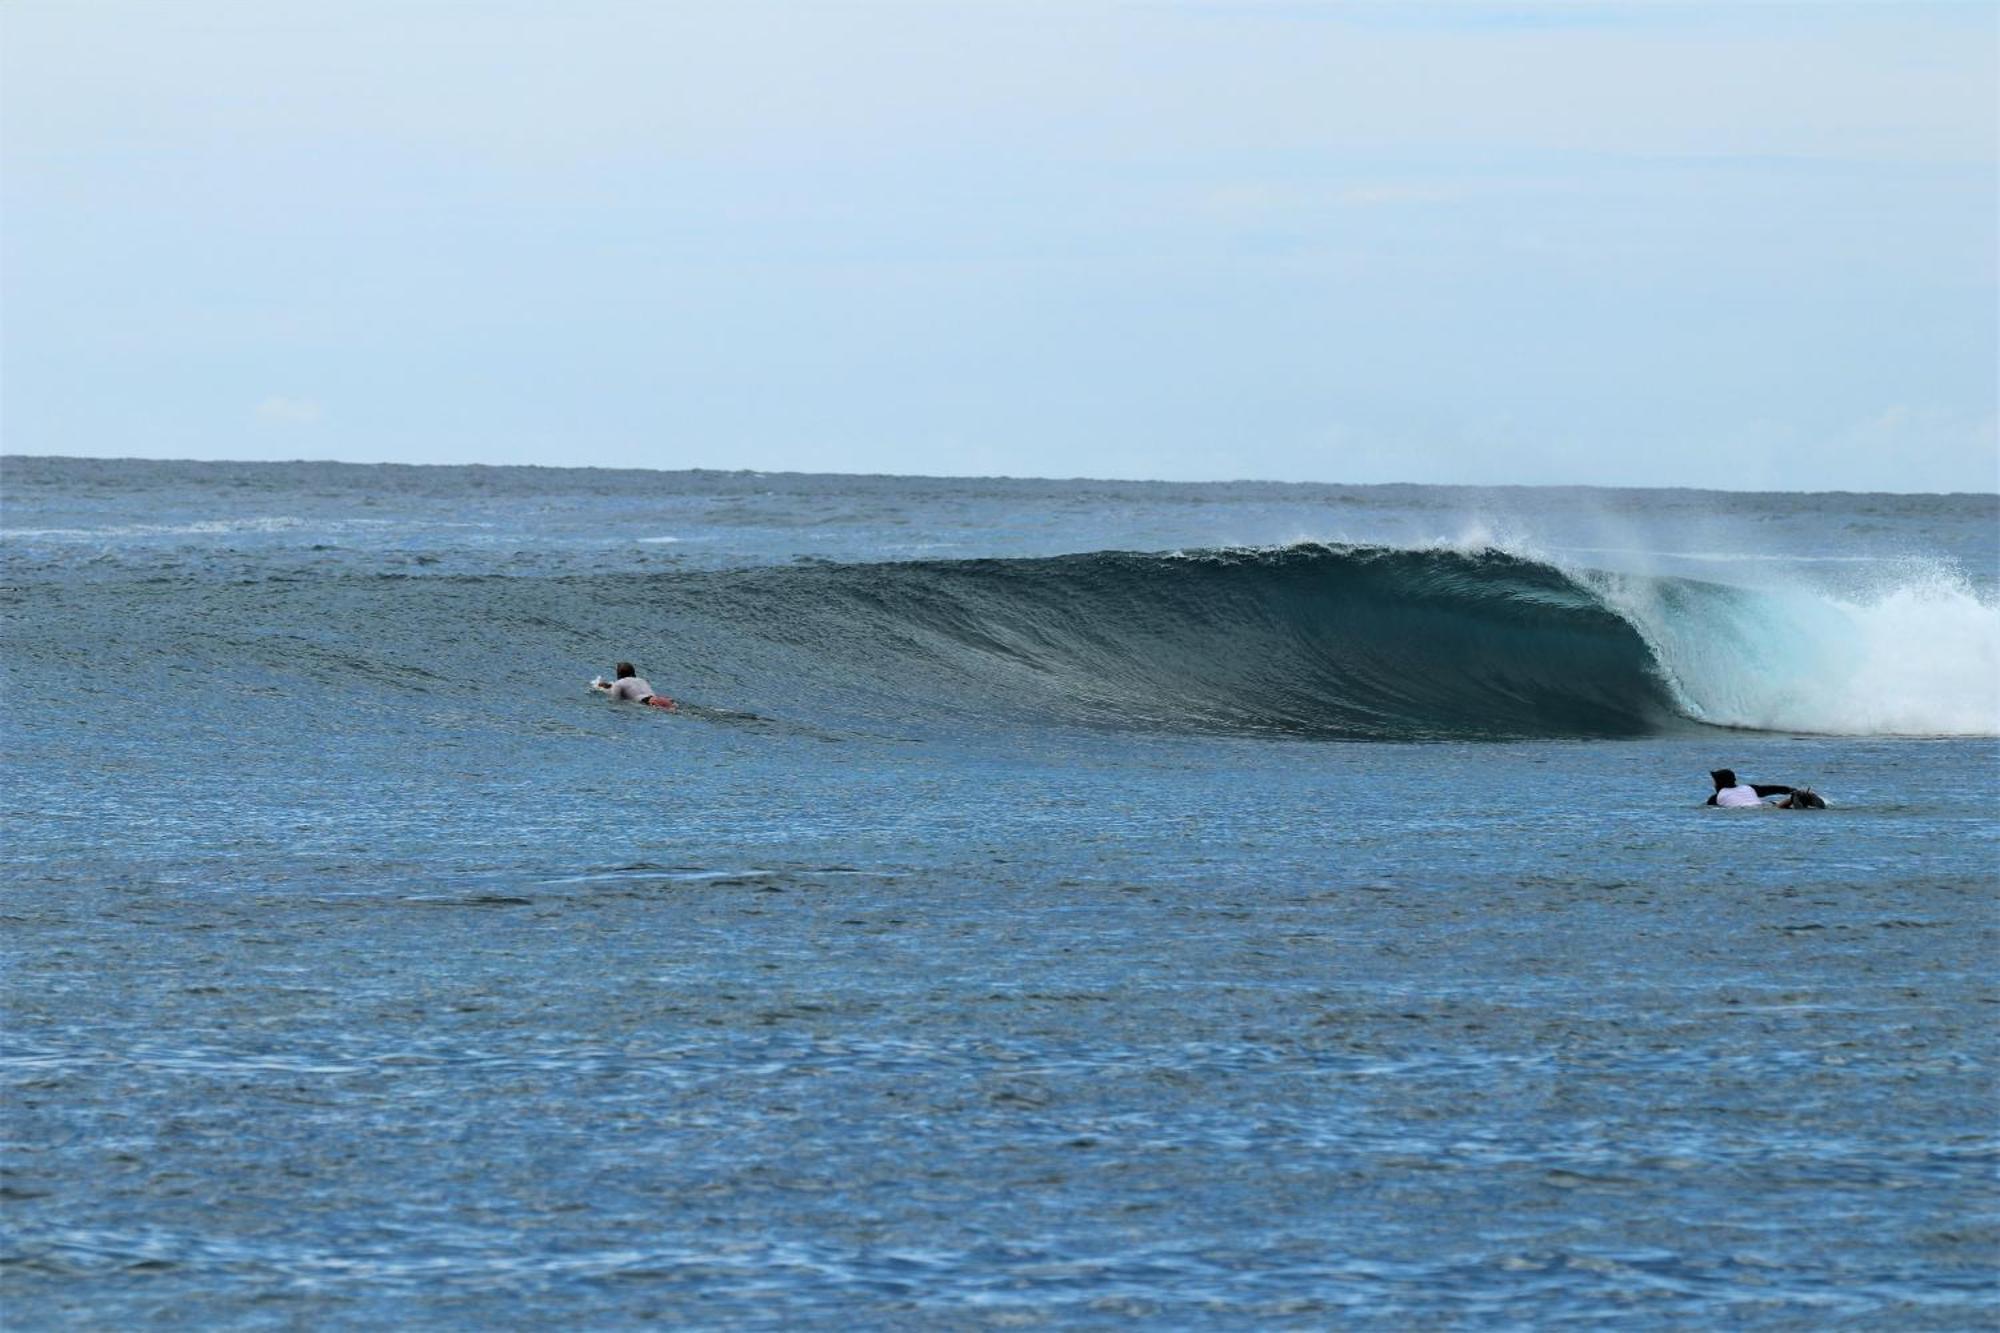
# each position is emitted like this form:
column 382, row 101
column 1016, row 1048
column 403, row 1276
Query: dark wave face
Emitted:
column 1311, row 640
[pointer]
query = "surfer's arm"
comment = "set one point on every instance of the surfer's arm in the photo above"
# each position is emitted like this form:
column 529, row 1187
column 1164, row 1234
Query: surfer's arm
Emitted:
column 1769, row 789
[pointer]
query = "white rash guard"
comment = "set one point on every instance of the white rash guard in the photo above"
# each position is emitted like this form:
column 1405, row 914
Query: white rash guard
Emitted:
column 1738, row 796
column 634, row 688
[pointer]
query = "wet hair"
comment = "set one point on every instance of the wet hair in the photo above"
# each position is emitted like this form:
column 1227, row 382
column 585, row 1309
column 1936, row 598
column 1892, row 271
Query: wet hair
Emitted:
column 1724, row 777
column 626, row 669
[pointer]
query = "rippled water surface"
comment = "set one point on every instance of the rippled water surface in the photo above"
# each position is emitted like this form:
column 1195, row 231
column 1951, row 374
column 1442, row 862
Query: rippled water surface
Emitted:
column 362, row 968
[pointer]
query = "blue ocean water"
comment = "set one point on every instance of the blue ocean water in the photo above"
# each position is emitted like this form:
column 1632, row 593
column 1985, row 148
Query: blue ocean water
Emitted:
column 1055, row 902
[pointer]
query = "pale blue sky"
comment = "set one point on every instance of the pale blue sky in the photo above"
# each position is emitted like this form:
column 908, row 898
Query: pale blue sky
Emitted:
column 1649, row 244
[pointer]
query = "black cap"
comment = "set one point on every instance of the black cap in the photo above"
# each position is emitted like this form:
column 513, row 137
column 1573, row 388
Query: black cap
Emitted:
column 1724, row 777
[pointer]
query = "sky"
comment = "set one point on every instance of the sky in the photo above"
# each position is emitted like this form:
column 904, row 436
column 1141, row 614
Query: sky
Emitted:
column 1746, row 247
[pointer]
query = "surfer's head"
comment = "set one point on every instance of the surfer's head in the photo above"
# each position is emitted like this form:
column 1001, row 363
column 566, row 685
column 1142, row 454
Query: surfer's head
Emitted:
column 626, row 669
column 1724, row 777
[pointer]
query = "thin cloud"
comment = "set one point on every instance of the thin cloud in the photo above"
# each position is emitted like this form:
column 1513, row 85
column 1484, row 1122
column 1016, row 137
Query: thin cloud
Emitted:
column 1283, row 201
column 280, row 410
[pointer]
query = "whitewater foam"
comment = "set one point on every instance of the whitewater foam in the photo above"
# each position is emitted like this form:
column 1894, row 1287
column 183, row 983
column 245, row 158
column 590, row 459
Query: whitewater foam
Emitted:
column 1917, row 657
column 1904, row 646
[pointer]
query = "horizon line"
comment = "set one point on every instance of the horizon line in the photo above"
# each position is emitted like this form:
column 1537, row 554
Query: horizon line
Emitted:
column 977, row 476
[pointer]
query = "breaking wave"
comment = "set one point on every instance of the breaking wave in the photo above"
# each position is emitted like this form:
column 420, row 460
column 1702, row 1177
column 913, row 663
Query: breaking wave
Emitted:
column 1336, row 642
column 1385, row 643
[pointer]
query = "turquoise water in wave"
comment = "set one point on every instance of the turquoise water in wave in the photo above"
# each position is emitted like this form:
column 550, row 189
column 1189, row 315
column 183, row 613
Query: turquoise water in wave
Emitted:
column 1066, row 903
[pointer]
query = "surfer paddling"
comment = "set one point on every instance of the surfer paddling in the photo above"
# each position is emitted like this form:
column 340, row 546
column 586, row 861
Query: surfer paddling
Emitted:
column 1732, row 794
column 631, row 685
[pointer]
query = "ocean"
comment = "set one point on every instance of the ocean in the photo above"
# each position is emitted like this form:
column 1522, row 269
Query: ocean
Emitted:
column 1054, row 903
